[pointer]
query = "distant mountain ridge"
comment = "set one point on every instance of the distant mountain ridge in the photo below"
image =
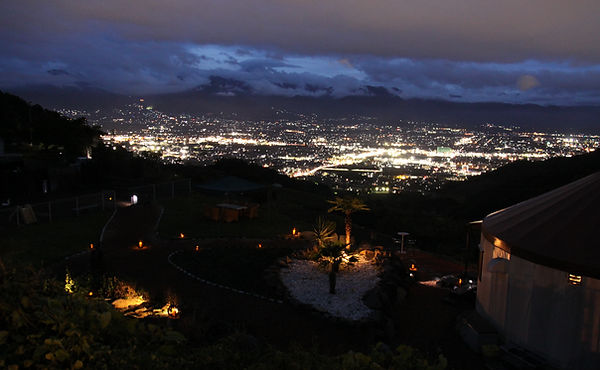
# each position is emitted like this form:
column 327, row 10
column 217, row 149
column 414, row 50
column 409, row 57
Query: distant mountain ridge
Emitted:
column 31, row 128
column 80, row 97
column 519, row 181
column 233, row 97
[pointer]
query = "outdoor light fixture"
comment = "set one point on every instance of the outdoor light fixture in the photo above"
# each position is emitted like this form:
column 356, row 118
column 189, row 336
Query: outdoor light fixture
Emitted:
column 197, row 248
column 294, row 231
column 91, row 293
column 140, row 244
column 259, row 246
column 134, row 199
column 172, row 311
column 91, row 245
column 575, row 279
column 181, row 235
column 412, row 267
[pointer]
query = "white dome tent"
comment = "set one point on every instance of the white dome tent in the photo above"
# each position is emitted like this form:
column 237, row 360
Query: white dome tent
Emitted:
column 539, row 274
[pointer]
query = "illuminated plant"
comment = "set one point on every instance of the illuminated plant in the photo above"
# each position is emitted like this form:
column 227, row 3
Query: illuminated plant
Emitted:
column 332, row 254
column 324, row 230
column 69, row 283
column 347, row 205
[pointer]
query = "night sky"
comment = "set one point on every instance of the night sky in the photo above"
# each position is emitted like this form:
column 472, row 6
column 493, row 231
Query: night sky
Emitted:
column 525, row 51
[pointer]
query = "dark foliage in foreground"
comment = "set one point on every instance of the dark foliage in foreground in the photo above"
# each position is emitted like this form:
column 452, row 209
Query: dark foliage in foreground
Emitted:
column 45, row 327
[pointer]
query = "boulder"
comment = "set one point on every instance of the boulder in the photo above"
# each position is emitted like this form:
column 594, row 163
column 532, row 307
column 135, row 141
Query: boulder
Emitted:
column 307, row 235
column 283, row 263
column 401, row 294
column 387, row 291
column 372, row 299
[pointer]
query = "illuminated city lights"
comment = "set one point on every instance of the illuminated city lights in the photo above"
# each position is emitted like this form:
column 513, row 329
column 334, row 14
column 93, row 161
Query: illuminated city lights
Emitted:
column 361, row 156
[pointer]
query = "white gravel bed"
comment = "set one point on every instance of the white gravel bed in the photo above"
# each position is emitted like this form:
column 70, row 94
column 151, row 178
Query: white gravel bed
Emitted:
column 309, row 284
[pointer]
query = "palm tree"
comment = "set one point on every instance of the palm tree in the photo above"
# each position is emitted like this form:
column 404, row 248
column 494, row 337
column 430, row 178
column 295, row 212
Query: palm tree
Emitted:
column 332, row 254
column 348, row 206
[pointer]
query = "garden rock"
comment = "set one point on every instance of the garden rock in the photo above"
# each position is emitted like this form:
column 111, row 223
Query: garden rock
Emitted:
column 401, row 294
column 369, row 254
column 372, row 299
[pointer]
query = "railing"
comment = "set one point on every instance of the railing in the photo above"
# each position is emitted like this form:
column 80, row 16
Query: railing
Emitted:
column 57, row 208
column 153, row 192
column 51, row 210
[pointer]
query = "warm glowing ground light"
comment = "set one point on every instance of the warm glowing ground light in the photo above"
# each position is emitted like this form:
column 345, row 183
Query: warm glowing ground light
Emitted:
column 140, row 244
column 125, row 303
column 134, row 306
column 181, row 235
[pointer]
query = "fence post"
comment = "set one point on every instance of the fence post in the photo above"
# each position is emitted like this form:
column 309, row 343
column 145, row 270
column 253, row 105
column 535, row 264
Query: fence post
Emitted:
column 49, row 211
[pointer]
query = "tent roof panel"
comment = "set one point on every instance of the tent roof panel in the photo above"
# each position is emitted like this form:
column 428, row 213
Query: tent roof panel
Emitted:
column 559, row 229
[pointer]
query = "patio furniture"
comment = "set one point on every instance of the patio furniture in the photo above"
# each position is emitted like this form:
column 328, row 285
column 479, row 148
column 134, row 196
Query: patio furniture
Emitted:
column 252, row 211
column 213, row 213
column 230, row 214
column 235, row 207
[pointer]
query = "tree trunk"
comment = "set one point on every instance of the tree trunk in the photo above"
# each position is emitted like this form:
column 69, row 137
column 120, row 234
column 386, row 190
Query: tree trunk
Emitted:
column 348, row 229
column 332, row 281
column 335, row 267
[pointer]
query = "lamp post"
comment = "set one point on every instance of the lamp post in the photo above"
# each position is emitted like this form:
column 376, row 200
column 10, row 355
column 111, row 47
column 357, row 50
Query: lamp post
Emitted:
column 402, row 234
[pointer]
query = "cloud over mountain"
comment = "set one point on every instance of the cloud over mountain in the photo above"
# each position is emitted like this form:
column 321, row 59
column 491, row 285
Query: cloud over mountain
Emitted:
column 539, row 51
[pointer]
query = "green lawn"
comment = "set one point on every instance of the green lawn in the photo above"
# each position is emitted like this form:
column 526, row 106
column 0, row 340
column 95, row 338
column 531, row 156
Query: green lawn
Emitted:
column 238, row 264
column 42, row 244
column 290, row 209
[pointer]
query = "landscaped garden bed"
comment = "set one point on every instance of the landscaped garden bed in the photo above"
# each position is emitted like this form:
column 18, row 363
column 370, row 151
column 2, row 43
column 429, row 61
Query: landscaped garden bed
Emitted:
column 237, row 263
column 307, row 282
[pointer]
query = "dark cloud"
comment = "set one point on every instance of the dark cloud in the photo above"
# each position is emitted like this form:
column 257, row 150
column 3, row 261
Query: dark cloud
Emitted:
column 225, row 86
column 326, row 90
column 286, row 85
column 463, row 30
column 377, row 91
column 57, row 72
column 539, row 51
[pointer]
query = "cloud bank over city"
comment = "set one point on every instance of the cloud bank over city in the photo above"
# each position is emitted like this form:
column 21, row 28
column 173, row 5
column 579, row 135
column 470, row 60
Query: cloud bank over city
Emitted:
column 543, row 52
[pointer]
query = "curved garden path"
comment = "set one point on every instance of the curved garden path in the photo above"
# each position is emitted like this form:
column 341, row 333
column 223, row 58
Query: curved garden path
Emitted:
column 209, row 311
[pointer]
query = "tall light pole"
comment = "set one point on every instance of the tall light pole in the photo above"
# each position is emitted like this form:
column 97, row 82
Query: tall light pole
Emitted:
column 402, row 234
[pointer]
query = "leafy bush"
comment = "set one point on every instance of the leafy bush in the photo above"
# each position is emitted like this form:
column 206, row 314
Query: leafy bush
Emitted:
column 42, row 326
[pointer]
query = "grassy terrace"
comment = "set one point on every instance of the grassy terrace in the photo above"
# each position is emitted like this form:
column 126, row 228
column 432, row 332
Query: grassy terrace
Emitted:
column 289, row 209
column 42, row 244
column 238, row 264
